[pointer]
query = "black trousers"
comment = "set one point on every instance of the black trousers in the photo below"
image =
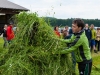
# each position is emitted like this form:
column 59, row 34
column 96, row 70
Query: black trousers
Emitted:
column 85, row 69
column 98, row 44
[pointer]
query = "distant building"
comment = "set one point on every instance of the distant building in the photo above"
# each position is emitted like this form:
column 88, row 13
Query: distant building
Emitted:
column 7, row 10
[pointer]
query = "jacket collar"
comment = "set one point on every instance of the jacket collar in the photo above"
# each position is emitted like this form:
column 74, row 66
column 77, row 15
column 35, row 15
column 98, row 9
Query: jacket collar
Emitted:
column 79, row 33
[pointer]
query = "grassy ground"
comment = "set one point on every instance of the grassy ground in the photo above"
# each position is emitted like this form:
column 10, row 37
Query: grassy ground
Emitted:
column 1, row 42
column 96, row 64
column 95, row 56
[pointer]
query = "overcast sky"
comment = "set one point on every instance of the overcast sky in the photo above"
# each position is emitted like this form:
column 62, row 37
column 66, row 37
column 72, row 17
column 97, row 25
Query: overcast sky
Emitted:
column 87, row 9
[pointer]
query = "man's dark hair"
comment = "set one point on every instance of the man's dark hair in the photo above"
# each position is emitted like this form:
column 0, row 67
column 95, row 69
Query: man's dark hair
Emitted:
column 79, row 22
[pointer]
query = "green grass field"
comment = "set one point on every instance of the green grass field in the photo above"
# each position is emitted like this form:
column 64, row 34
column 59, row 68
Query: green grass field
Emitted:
column 1, row 42
column 95, row 56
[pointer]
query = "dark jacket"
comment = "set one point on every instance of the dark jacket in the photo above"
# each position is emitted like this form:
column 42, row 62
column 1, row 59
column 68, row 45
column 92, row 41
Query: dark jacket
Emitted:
column 88, row 33
column 4, row 32
column 70, row 34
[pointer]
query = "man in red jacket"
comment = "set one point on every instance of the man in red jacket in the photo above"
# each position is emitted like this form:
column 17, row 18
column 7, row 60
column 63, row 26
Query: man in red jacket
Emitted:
column 10, row 33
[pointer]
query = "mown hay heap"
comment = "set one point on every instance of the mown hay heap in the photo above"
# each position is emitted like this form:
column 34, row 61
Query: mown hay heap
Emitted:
column 31, row 51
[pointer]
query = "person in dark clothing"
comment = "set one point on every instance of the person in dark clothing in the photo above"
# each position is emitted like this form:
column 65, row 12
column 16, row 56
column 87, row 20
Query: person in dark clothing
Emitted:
column 88, row 33
column 4, row 32
column 70, row 32
column 98, row 39
column 72, row 53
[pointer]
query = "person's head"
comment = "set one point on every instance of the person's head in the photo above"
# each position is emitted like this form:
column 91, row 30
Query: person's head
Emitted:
column 77, row 25
column 65, row 33
column 92, row 26
column 98, row 29
column 56, row 28
column 5, row 26
column 86, row 26
column 62, row 30
column 66, row 28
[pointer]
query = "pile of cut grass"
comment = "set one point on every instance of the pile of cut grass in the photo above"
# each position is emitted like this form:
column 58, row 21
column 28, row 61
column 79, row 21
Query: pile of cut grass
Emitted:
column 30, row 53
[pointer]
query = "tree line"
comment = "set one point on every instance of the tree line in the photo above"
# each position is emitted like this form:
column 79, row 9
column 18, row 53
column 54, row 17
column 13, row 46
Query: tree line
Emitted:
column 63, row 22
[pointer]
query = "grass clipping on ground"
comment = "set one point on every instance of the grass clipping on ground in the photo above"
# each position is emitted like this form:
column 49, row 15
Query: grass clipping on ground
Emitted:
column 30, row 53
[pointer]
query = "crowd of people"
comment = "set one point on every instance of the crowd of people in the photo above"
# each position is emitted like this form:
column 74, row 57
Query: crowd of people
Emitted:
column 81, row 40
column 8, row 34
column 92, row 34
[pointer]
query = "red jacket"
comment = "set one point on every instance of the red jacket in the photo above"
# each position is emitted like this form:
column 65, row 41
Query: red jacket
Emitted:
column 57, row 33
column 10, row 33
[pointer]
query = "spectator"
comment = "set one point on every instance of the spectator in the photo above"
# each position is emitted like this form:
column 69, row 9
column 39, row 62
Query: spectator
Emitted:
column 65, row 34
column 70, row 32
column 10, row 33
column 56, row 31
column 4, row 32
column 88, row 33
column 93, row 38
column 66, row 29
column 72, row 53
column 14, row 29
column 98, row 39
